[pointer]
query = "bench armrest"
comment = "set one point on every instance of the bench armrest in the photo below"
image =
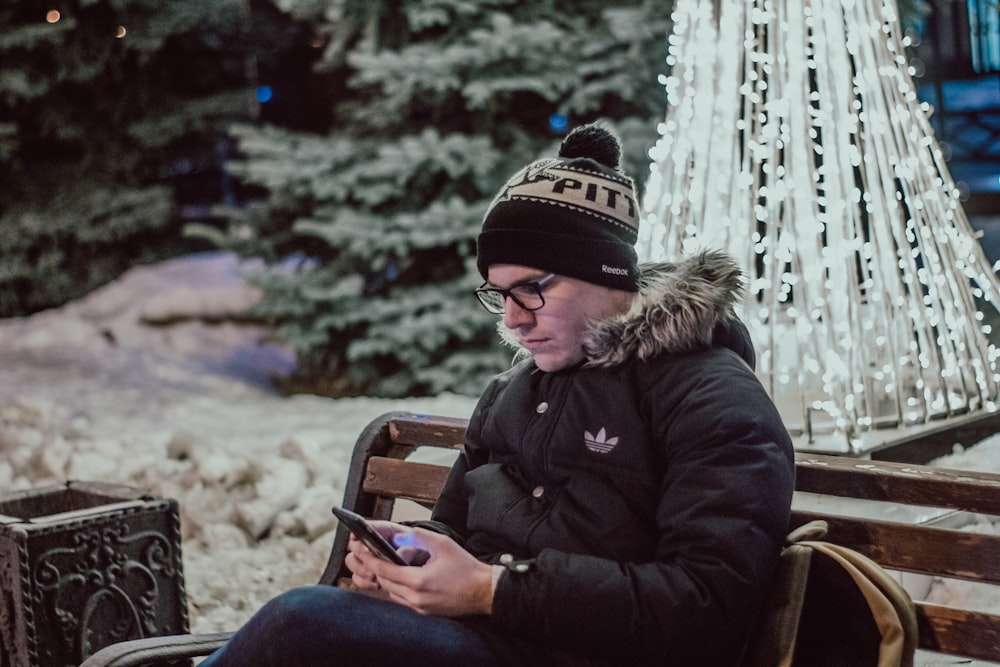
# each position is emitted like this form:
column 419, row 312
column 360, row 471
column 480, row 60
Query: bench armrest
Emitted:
column 138, row 652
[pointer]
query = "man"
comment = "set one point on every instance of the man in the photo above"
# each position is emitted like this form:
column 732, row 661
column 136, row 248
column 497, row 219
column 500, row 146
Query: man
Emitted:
column 623, row 492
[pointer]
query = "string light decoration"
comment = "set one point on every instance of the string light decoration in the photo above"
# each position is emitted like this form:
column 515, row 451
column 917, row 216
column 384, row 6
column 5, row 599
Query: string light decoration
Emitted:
column 794, row 140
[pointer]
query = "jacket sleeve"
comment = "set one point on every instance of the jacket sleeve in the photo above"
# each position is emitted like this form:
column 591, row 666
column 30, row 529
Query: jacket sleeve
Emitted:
column 452, row 508
column 722, row 517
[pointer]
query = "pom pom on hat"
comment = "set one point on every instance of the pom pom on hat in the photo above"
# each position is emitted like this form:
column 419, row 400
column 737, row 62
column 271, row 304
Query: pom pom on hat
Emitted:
column 575, row 215
column 592, row 141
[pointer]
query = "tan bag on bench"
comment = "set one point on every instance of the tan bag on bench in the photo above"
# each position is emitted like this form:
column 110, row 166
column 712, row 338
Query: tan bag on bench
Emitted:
column 830, row 606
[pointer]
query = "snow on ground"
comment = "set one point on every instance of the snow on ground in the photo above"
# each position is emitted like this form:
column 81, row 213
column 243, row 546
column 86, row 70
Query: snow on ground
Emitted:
column 139, row 383
column 92, row 391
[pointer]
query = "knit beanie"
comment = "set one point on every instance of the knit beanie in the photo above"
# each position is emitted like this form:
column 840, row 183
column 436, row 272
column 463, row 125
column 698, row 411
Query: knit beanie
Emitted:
column 575, row 215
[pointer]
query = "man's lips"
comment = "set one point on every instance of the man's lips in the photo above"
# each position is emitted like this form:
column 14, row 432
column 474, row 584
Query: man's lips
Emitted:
column 531, row 343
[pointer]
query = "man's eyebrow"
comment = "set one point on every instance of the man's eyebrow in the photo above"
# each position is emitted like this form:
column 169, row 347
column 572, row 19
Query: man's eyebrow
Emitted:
column 519, row 283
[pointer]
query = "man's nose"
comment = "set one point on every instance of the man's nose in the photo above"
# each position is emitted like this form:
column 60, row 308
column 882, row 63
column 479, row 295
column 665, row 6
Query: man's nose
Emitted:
column 514, row 315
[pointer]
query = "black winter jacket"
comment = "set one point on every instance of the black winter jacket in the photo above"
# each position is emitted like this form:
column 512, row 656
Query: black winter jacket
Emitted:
column 643, row 495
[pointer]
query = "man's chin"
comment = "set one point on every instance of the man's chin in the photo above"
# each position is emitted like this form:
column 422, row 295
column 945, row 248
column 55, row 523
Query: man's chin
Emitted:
column 550, row 363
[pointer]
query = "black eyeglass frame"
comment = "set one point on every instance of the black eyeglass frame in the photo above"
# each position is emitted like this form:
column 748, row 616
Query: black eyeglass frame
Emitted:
column 533, row 287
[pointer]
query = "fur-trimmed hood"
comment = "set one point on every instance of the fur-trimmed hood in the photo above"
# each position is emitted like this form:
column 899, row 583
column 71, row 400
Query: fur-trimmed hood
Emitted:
column 681, row 306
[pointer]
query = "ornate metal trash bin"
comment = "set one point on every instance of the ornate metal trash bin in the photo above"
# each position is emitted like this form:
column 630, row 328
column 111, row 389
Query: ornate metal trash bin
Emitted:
column 84, row 565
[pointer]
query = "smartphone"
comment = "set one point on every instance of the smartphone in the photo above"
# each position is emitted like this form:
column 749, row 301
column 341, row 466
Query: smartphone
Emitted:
column 363, row 530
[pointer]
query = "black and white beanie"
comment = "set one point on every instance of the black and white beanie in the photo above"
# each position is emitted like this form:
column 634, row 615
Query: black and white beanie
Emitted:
column 575, row 215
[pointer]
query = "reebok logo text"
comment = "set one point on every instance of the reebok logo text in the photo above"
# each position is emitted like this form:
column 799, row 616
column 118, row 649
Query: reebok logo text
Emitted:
column 614, row 270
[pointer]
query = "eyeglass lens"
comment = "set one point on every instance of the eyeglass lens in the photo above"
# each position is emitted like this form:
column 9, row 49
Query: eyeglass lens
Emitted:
column 527, row 296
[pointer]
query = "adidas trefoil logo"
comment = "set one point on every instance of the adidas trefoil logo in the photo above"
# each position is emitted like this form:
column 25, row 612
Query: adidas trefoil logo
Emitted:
column 599, row 443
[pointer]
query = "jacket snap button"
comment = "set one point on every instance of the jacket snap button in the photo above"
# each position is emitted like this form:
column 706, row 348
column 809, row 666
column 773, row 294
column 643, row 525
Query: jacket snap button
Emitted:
column 542, row 407
column 538, row 491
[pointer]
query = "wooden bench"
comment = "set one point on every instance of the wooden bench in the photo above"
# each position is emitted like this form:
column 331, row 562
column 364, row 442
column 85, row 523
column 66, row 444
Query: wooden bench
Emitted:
column 928, row 500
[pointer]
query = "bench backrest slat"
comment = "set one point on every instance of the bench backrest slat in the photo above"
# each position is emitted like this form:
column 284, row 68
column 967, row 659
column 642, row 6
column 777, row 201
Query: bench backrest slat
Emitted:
column 898, row 482
column 428, row 430
column 971, row 634
column 421, row 482
column 923, row 549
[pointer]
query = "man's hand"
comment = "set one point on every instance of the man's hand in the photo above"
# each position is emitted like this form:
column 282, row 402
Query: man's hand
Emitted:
column 450, row 583
column 359, row 555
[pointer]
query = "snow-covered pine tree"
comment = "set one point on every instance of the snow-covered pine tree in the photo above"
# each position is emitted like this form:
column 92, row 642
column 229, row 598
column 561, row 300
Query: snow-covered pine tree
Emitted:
column 370, row 229
column 106, row 108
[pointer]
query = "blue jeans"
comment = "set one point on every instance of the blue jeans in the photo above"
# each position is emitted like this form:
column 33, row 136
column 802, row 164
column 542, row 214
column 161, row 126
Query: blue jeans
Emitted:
column 328, row 626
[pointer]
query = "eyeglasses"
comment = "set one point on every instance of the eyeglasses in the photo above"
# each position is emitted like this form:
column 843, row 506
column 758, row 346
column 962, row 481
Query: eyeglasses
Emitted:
column 526, row 295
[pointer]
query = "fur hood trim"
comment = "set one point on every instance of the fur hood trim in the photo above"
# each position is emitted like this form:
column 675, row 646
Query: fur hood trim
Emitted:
column 677, row 309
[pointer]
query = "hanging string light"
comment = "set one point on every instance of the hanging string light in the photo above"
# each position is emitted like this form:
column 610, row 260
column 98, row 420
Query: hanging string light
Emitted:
column 794, row 140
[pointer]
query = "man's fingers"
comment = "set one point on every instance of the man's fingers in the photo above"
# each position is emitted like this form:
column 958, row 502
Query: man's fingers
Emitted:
column 414, row 555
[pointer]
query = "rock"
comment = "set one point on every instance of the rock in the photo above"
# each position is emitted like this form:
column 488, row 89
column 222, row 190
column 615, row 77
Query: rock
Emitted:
column 280, row 485
column 182, row 445
column 319, row 551
column 25, row 424
column 314, row 449
column 311, row 517
column 222, row 468
column 205, row 505
column 223, row 537
column 313, row 511
column 27, row 412
column 92, row 466
column 51, row 459
column 304, row 450
column 6, row 475
column 145, row 469
column 78, row 426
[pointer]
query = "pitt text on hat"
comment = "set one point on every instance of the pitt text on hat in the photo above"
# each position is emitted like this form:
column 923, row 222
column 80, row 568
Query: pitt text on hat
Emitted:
column 576, row 188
